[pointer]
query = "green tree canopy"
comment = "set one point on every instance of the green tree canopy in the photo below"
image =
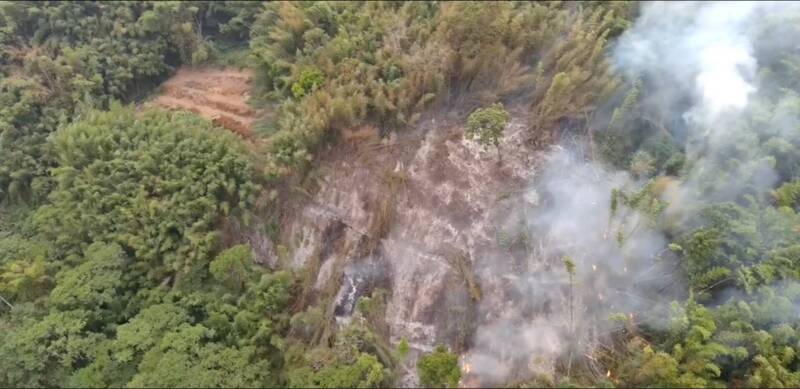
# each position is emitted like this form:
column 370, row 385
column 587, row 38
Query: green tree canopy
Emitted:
column 486, row 125
column 155, row 183
column 439, row 369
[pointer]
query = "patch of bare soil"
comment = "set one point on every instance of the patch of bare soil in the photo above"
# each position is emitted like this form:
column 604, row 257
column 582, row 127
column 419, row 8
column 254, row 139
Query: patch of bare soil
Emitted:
column 219, row 95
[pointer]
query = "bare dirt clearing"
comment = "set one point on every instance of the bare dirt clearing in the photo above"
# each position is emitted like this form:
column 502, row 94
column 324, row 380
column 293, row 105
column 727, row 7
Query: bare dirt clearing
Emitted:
column 219, row 95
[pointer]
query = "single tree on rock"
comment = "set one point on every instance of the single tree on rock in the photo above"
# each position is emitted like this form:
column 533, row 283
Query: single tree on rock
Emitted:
column 486, row 125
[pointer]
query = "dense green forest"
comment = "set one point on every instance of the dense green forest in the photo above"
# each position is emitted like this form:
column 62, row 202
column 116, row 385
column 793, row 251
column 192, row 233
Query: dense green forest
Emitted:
column 118, row 267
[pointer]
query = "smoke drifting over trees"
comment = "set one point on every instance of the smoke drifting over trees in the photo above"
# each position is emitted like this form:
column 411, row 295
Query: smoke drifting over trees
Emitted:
column 707, row 72
column 638, row 226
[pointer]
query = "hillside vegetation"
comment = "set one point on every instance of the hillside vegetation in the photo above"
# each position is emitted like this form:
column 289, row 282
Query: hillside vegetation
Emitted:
column 120, row 266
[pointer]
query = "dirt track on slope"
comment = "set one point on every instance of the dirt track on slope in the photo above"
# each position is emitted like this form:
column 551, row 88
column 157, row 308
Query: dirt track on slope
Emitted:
column 219, row 95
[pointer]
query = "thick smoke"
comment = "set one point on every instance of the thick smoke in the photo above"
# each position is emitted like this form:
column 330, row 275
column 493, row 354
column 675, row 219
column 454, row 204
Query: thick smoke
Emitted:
column 700, row 65
column 619, row 261
column 709, row 55
column 698, row 49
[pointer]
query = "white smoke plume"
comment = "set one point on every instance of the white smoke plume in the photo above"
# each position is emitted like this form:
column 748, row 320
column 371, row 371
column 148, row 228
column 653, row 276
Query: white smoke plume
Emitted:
column 700, row 62
column 699, row 48
column 707, row 53
column 528, row 320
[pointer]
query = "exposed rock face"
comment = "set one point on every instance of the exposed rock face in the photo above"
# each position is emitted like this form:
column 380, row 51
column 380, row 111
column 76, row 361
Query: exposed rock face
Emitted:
column 417, row 213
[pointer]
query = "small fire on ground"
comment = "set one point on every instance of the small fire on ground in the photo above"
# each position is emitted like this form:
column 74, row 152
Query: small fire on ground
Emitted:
column 468, row 378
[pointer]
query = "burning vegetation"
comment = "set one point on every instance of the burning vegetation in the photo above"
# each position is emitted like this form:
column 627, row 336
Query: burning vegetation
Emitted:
column 443, row 194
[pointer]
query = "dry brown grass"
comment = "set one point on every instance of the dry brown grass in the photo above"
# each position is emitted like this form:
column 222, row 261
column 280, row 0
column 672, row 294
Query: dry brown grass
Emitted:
column 461, row 263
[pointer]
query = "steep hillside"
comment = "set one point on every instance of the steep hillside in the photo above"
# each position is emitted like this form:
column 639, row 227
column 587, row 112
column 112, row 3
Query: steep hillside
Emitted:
column 399, row 194
column 363, row 228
